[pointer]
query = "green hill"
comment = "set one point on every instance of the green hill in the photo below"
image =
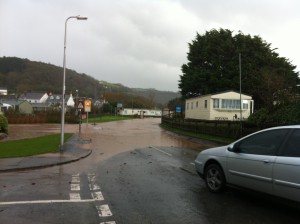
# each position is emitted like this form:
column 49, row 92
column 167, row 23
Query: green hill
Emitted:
column 22, row 75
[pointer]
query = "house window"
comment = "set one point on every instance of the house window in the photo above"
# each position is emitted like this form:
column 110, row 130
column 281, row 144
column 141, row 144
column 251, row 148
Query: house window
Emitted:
column 205, row 104
column 245, row 104
column 187, row 106
column 197, row 104
column 234, row 104
column 192, row 105
column 216, row 103
column 231, row 104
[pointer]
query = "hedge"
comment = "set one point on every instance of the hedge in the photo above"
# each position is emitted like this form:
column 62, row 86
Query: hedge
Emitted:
column 3, row 124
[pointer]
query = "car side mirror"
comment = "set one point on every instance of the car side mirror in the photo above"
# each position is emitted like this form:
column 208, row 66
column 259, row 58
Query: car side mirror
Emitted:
column 233, row 148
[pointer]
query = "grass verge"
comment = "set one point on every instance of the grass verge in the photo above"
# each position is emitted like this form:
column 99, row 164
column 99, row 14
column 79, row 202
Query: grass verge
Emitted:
column 106, row 119
column 32, row 146
column 217, row 139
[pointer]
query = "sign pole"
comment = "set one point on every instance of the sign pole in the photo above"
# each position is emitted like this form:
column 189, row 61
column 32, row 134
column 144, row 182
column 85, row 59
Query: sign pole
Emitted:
column 80, row 107
column 87, row 118
column 79, row 123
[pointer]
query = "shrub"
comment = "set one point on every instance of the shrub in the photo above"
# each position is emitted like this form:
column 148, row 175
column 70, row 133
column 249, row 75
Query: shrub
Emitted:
column 3, row 124
column 278, row 115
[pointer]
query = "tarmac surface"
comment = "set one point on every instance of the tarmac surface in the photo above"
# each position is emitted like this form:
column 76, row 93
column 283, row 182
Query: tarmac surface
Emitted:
column 78, row 147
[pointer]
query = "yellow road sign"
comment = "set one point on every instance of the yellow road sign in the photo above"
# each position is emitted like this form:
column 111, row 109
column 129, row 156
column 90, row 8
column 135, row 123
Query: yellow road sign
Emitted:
column 87, row 106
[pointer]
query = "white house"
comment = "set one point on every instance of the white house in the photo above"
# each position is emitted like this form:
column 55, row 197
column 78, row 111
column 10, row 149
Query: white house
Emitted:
column 34, row 97
column 219, row 106
column 56, row 99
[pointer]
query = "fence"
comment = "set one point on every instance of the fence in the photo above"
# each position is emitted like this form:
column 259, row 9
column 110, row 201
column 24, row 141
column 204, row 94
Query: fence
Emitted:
column 227, row 129
column 38, row 118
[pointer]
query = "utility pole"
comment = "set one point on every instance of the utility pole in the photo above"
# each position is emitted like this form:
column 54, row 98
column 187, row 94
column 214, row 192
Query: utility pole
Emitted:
column 241, row 114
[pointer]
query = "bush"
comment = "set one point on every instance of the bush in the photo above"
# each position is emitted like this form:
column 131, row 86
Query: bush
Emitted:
column 259, row 117
column 279, row 115
column 3, row 124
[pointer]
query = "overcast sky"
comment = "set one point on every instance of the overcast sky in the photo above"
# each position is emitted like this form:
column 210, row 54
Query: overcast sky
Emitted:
column 138, row 43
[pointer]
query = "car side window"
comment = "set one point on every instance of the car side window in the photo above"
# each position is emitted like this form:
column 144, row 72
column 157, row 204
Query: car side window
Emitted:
column 292, row 146
column 264, row 143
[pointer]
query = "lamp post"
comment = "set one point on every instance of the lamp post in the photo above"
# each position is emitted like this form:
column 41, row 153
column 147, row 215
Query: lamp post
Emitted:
column 64, row 81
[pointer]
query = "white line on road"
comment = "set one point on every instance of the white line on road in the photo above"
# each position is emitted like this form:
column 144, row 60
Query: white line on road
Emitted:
column 75, row 187
column 112, row 222
column 47, row 201
column 104, row 211
column 75, row 179
column 94, row 187
column 193, row 164
column 162, row 151
column 98, row 196
column 75, row 196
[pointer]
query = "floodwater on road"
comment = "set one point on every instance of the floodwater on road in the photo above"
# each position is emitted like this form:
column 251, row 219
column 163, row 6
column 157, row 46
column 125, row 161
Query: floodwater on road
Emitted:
column 120, row 135
column 126, row 135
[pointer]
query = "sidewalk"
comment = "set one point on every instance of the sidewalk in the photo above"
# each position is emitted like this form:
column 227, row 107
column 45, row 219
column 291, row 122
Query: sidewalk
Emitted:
column 75, row 149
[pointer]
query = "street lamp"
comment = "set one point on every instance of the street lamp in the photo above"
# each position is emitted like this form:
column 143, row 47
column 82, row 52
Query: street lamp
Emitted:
column 64, row 81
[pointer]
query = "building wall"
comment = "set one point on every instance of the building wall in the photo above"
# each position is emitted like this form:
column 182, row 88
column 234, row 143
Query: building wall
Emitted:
column 223, row 106
column 198, row 108
column 70, row 101
column 147, row 112
column 44, row 98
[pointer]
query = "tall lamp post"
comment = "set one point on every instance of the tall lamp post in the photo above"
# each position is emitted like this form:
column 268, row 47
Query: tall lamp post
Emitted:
column 64, row 81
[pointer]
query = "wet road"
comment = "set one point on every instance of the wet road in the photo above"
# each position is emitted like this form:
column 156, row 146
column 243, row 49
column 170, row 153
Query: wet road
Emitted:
column 137, row 173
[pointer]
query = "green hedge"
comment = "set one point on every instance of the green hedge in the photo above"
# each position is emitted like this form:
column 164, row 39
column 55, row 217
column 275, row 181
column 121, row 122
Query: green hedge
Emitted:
column 3, row 124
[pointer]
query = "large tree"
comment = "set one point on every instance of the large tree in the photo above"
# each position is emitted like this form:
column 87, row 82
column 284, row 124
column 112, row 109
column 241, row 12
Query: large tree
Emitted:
column 213, row 66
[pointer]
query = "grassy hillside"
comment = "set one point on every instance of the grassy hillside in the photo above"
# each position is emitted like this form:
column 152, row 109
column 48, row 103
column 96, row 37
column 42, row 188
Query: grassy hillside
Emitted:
column 22, row 75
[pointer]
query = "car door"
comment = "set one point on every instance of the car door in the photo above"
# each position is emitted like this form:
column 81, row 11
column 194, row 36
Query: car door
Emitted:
column 287, row 169
column 251, row 164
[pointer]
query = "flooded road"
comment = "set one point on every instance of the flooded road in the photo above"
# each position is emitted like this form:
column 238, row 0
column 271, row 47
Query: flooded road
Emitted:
column 137, row 173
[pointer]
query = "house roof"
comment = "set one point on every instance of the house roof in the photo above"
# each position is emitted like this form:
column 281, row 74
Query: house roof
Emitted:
column 33, row 95
column 54, row 98
column 217, row 93
column 13, row 102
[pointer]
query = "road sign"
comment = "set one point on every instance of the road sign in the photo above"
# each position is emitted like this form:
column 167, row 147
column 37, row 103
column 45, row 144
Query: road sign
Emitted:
column 80, row 105
column 87, row 106
column 178, row 109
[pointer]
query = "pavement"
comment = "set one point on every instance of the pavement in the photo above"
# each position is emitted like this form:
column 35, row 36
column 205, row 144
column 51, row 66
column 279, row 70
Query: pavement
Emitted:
column 75, row 149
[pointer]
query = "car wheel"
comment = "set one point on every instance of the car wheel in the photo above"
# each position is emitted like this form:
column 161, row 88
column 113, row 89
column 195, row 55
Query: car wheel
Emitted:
column 215, row 178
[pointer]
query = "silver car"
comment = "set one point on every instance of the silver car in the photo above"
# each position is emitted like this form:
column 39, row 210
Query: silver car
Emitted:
column 266, row 161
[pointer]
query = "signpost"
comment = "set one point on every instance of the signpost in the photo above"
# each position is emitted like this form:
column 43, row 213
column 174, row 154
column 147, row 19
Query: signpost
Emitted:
column 80, row 107
column 87, row 109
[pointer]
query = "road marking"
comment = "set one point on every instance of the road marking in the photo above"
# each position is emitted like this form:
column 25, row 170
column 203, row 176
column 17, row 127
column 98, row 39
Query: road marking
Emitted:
column 162, row 151
column 47, row 201
column 104, row 211
column 75, row 196
column 91, row 177
column 75, row 187
column 75, row 179
column 98, row 196
column 193, row 164
column 94, row 187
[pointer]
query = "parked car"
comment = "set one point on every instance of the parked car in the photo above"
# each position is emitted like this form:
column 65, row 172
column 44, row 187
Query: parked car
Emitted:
column 266, row 161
